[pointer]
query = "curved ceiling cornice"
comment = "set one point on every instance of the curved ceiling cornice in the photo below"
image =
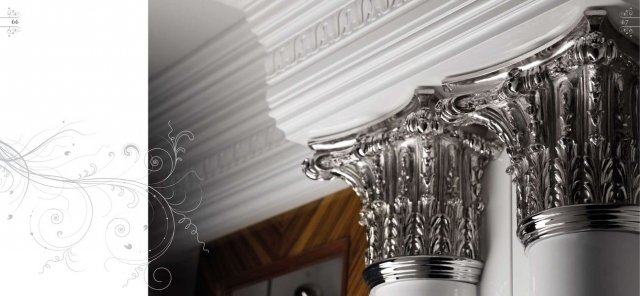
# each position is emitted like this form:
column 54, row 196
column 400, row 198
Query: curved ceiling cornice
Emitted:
column 339, row 65
column 217, row 91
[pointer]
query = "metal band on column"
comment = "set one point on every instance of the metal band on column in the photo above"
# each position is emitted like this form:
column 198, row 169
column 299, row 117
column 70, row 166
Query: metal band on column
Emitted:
column 420, row 185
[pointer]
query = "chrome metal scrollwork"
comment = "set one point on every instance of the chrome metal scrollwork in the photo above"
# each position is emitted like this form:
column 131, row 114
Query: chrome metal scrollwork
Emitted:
column 570, row 119
column 419, row 182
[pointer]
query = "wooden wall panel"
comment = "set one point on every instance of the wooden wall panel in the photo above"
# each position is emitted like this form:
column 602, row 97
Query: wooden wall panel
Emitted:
column 303, row 236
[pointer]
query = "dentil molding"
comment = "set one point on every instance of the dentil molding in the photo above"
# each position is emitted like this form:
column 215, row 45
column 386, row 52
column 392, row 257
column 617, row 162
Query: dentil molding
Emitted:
column 339, row 65
column 249, row 170
column 327, row 32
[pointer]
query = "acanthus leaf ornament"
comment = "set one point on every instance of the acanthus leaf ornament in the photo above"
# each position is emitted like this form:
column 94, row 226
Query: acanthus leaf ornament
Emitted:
column 352, row 17
column 569, row 118
column 420, row 186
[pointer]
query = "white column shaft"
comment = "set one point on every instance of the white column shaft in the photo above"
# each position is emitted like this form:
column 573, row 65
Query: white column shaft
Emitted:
column 424, row 288
column 596, row 263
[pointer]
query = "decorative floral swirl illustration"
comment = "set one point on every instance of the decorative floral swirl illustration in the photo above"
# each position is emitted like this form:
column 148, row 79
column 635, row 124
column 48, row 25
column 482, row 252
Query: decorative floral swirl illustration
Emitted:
column 67, row 206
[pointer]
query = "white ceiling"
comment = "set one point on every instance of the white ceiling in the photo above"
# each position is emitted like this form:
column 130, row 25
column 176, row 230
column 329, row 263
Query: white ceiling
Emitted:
column 177, row 27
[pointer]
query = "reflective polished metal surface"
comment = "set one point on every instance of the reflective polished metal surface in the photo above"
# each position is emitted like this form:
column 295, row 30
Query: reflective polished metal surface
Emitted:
column 420, row 186
column 579, row 218
column 423, row 267
column 569, row 116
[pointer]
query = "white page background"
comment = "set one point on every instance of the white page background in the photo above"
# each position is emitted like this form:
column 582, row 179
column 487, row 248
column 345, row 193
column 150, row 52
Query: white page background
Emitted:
column 81, row 62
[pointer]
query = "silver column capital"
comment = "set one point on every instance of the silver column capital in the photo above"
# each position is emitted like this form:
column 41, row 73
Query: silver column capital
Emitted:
column 569, row 115
column 419, row 181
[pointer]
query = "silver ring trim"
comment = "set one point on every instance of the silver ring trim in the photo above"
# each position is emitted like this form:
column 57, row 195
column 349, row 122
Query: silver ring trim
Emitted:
column 423, row 267
column 579, row 218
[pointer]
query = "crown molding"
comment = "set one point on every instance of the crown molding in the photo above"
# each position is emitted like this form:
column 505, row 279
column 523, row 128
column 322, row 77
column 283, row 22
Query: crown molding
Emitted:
column 352, row 76
column 326, row 34
column 216, row 52
column 250, row 171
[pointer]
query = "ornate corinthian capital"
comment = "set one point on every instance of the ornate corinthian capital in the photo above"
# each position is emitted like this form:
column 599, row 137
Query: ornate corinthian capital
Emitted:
column 420, row 186
column 569, row 117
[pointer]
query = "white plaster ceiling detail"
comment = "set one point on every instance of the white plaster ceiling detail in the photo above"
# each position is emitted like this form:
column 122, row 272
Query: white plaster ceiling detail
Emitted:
column 218, row 91
column 177, row 27
column 371, row 72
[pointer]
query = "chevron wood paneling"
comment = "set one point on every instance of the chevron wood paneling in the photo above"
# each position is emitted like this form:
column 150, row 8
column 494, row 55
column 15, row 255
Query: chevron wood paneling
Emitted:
column 319, row 230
